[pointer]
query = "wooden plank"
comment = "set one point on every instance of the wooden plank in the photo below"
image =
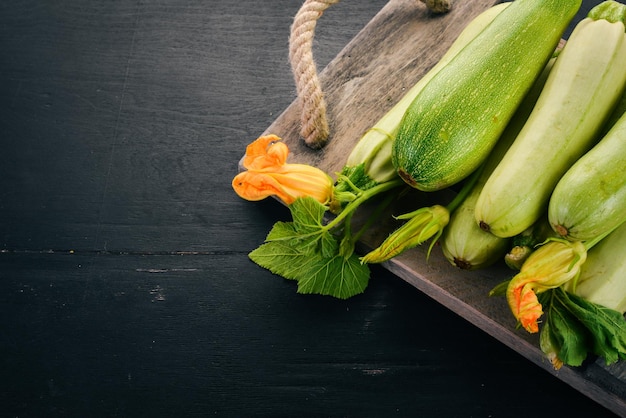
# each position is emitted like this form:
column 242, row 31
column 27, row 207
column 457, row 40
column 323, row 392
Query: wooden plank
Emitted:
column 401, row 43
column 96, row 334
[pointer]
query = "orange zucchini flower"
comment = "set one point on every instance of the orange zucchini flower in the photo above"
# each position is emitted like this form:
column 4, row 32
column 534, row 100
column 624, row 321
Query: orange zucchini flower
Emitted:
column 551, row 265
column 268, row 174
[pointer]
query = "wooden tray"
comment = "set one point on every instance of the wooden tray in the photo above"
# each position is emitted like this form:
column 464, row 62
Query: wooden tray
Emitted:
column 400, row 44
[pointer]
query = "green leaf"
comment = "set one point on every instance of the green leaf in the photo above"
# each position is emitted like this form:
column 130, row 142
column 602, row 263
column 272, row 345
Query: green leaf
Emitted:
column 500, row 288
column 280, row 258
column 308, row 223
column 305, row 251
column 570, row 338
column 607, row 326
column 282, row 231
column 309, row 239
column 337, row 276
column 307, row 214
column 579, row 327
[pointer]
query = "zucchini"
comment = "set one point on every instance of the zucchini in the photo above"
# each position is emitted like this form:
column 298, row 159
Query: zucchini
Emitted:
column 452, row 125
column 602, row 276
column 580, row 93
column 590, row 199
column 369, row 162
column 463, row 243
column 618, row 111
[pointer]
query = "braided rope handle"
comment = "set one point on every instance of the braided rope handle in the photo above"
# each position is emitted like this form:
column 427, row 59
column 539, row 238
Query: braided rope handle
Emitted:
column 313, row 123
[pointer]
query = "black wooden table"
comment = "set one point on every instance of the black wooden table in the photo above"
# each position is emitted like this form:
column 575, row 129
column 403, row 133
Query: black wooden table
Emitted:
column 125, row 284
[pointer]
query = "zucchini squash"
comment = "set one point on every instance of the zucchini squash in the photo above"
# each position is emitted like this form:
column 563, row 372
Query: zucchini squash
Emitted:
column 602, row 276
column 369, row 162
column 580, row 93
column 456, row 119
column 463, row 243
column 590, row 199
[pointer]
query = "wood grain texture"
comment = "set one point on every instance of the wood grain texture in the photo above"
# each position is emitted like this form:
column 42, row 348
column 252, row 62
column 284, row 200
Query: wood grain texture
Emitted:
column 160, row 335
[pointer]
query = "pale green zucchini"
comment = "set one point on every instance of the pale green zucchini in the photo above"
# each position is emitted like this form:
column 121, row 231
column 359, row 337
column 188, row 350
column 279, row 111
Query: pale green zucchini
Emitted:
column 580, row 93
column 590, row 199
column 602, row 278
column 463, row 243
column 618, row 111
column 456, row 119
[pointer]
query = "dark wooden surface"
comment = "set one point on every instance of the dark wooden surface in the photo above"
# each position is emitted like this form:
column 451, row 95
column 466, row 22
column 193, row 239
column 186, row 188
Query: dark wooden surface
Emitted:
column 125, row 286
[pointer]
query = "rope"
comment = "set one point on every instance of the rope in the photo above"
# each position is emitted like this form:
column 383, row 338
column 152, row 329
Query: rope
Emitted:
column 437, row 6
column 313, row 123
column 314, row 126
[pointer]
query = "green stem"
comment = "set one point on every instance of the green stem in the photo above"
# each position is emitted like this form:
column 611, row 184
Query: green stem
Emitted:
column 347, row 180
column 611, row 11
column 373, row 217
column 363, row 197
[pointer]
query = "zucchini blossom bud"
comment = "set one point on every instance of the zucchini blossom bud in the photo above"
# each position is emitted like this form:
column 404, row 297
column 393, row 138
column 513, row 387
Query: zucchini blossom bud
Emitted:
column 549, row 347
column 422, row 225
column 554, row 263
column 268, row 174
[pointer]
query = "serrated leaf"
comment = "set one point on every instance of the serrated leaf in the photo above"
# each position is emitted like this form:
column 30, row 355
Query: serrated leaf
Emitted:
column 335, row 276
column 308, row 221
column 318, row 241
column 579, row 327
column 338, row 276
column 279, row 257
column 568, row 335
column 307, row 214
column 282, row 231
column 607, row 326
column 328, row 245
column 306, row 251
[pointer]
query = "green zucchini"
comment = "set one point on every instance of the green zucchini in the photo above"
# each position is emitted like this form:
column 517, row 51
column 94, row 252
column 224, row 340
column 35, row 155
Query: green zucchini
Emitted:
column 463, row 243
column 580, row 93
column 590, row 199
column 369, row 162
column 452, row 125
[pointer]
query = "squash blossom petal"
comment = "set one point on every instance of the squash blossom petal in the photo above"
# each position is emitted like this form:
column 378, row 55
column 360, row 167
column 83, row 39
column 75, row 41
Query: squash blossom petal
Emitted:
column 551, row 265
column 265, row 153
column 422, row 225
column 268, row 174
